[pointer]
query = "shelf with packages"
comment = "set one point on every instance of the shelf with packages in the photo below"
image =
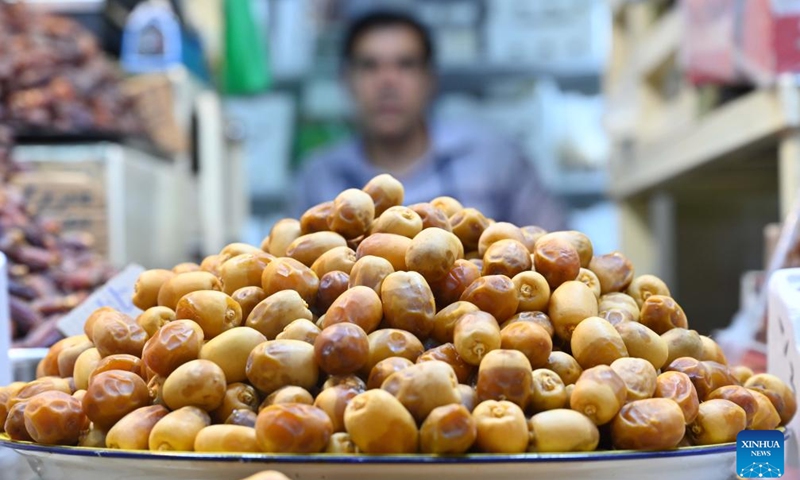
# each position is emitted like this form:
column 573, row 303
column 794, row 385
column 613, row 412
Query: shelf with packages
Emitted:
column 54, row 138
column 478, row 76
column 697, row 171
column 130, row 200
column 722, row 140
column 151, row 199
column 698, row 198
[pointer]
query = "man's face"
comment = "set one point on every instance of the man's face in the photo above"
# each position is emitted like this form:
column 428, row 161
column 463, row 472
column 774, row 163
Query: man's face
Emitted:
column 389, row 81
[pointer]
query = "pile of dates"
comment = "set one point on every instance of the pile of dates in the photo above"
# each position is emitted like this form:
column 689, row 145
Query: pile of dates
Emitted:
column 50, row 271
column 54, row 77
column 7, row 166
column 375, row 328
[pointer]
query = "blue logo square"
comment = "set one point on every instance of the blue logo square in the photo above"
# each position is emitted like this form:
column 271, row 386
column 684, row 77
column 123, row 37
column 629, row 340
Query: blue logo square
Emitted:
column 759, row 454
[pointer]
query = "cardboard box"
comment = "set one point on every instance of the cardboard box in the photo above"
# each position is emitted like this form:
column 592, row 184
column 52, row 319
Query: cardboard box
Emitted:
column 772, row 233
column 60, row 191
column 73, row 193
column 783, row 354
column 92, row 221
column 786, row 14
column 134, row 203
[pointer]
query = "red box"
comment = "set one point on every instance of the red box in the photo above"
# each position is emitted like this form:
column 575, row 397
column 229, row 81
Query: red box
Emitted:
column 735, row 42
column 787, row 43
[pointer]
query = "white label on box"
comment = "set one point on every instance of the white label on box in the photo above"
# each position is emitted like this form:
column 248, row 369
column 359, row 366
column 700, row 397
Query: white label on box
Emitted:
column 116, row 293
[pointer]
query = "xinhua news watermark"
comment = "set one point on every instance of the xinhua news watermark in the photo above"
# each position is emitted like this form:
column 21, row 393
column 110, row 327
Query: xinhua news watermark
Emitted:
column 760, row 454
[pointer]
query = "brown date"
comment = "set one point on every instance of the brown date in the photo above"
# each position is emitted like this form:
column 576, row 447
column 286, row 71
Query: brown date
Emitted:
column 505, row 375
column 398, row 220
column 215, row 312
column 678, row 387
column 112, row 395
column 370, row 271
column 147, row 286
column 341, row 348
column 359, row 305
column 331, row 285
column 444, row 321
column 529, row 338
column 448, row 289
column 506, row 257
column 408, row 303
column 285, row 273
column 556, row 259
column 383, row 369
column 614, row 271
column 307, row 248
column 176, row 287
column 54, row 418
column 648, row 424
column 468, row 225
column 243, row 271
column 448, row 429
column 333, row 401
column 352, row 213
column 386, row 192
column 277, row 311
column 173, row 345
column 495, row 294
column 432, row 217
column 391, row 342
column 293, row 428
column 448, row 354
column 282, row 234
column 315, row 219
column 248, row 298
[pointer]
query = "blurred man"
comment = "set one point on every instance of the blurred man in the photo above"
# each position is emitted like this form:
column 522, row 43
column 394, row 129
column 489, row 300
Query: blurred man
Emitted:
column 389, row 70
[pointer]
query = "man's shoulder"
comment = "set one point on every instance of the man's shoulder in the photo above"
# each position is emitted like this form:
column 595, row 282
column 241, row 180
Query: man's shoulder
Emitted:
column 320, row 175
column 472, row 134
column 476, row 141
column 329, row 155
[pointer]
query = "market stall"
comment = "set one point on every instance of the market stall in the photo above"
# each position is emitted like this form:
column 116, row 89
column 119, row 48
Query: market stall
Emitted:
column 331, row 240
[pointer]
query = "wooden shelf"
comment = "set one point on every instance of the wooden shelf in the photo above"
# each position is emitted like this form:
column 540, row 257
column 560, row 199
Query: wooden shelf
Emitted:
column 478, row 76
column 694, row 189
column 658, row 43
column 731, row 130
column 696, row 199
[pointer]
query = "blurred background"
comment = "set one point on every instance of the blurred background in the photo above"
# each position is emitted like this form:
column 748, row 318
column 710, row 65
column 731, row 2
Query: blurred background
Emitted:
column 156, row 132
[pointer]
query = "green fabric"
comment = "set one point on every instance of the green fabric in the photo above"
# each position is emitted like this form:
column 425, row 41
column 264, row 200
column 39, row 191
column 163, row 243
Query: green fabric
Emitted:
column 246, row 66
column 312, row 136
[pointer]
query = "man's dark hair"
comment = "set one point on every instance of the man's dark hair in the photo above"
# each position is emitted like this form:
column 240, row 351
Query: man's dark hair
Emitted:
column 377, row 19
